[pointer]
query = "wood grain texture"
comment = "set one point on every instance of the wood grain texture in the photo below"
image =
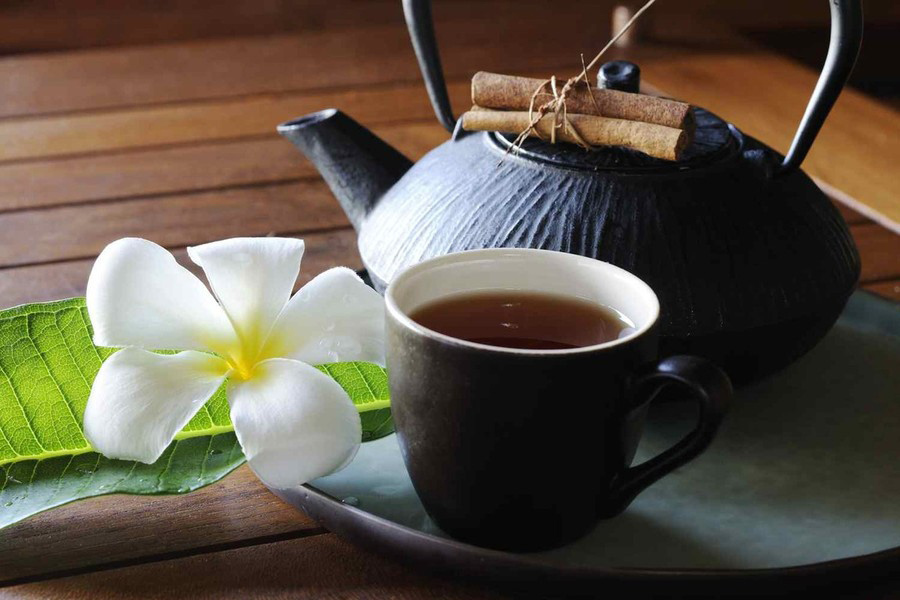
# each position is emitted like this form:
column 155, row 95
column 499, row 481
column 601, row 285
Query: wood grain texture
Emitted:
column 108, row 78
column 880, row 250
column 203, row 121
column 850, row 216
column 41, row 25
column 885, row 289
column 121, row 527
column 321, row 567
column 868, row 211
column 198, row 165
column 72, row 232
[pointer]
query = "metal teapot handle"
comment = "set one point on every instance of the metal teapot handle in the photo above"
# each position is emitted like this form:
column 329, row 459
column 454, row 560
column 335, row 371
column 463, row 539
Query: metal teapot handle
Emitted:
column 846, row 38
column 421, row 31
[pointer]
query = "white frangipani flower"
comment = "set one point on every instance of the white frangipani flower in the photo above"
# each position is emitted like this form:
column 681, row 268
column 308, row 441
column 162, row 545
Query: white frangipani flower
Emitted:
column 294, row 422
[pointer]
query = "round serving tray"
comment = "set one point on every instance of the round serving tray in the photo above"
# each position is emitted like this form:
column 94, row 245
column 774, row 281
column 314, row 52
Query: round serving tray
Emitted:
column 801, row 488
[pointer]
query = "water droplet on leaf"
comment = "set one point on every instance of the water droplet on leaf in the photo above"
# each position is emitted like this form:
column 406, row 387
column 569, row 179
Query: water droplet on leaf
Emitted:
column 351, row 501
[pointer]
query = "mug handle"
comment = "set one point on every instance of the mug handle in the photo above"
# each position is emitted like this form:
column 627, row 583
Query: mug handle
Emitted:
column 706, row 383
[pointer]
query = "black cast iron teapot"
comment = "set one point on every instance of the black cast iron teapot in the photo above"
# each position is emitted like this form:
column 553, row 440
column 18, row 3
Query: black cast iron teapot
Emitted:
column 751, row 262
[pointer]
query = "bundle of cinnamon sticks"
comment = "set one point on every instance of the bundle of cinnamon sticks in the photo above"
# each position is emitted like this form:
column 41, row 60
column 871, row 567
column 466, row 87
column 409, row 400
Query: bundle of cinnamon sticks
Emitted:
column 659, row 127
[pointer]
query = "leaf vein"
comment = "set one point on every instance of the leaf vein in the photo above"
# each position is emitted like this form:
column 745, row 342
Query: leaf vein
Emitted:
column 92, row 472
column 21, row 405
column 206, row 456
column 165, row 470
column 62, row 394
column 364, row 380
column 69, row 351
column 88, row 329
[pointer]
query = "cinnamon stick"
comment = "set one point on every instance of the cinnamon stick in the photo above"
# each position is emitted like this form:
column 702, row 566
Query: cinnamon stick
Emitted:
column 507, row 92
column 658, row 141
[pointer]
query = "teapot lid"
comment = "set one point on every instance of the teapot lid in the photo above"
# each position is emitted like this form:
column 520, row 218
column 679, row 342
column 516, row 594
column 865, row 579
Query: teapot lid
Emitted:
column 714, row 140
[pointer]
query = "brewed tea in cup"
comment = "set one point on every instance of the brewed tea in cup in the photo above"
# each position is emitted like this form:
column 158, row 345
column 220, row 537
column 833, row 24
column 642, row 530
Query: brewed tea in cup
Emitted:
column 515, row 319
column 519, row 379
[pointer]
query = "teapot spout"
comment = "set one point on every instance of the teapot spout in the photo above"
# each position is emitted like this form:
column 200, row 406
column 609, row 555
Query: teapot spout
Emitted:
column 357, row 165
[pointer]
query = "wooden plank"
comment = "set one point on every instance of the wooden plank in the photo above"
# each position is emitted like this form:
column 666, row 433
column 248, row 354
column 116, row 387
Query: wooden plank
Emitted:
column 885, row 289
column 46, row 282
column 230, row 67
column 73, row 232
column 46, row 25
column 42, row 25
column 879, row 249
column 839, row 200
column 105, row 78
column 786, row 14
column 867, row 211
column 857, row 150
column 169, row 170
column 850, row 216
column 361, row 56
column 321, row 567
column 148, row 172
column 205, row 120
column 120, row 527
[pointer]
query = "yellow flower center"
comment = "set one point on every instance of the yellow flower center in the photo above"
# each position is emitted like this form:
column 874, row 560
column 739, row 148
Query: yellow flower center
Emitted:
column 241, row 370
column 250, row 350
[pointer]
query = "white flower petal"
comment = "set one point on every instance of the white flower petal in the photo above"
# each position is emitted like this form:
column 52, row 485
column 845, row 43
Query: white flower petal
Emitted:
column 294, row 422
column 253, row 279
column 138, row 295
column 140, row 400
column 335, row 317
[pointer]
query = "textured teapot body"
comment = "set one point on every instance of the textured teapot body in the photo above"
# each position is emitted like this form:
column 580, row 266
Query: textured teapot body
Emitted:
column 751, row 268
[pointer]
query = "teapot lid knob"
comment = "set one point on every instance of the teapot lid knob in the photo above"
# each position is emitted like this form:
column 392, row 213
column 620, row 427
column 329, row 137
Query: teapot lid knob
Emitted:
column 619, row 75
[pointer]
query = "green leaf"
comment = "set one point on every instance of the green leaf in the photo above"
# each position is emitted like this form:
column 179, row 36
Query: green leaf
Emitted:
column 47, row 365
column 367, row 386
column 32, row 486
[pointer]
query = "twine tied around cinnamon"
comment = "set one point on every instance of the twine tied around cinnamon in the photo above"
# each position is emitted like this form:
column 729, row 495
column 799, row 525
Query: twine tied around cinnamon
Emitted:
column 557, row 104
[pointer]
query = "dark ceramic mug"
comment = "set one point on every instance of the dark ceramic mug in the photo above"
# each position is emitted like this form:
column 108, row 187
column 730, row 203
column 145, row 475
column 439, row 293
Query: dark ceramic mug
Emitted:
column 526, row 449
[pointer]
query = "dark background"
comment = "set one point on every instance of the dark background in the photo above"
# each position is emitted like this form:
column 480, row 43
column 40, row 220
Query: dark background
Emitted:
column 798, row 28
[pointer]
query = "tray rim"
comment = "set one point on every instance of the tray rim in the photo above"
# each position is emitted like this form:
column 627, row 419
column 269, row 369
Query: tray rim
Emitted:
column 449, row 556
column 508, row 569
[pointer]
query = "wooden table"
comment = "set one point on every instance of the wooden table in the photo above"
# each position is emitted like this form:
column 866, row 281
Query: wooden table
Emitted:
column 176, row 143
